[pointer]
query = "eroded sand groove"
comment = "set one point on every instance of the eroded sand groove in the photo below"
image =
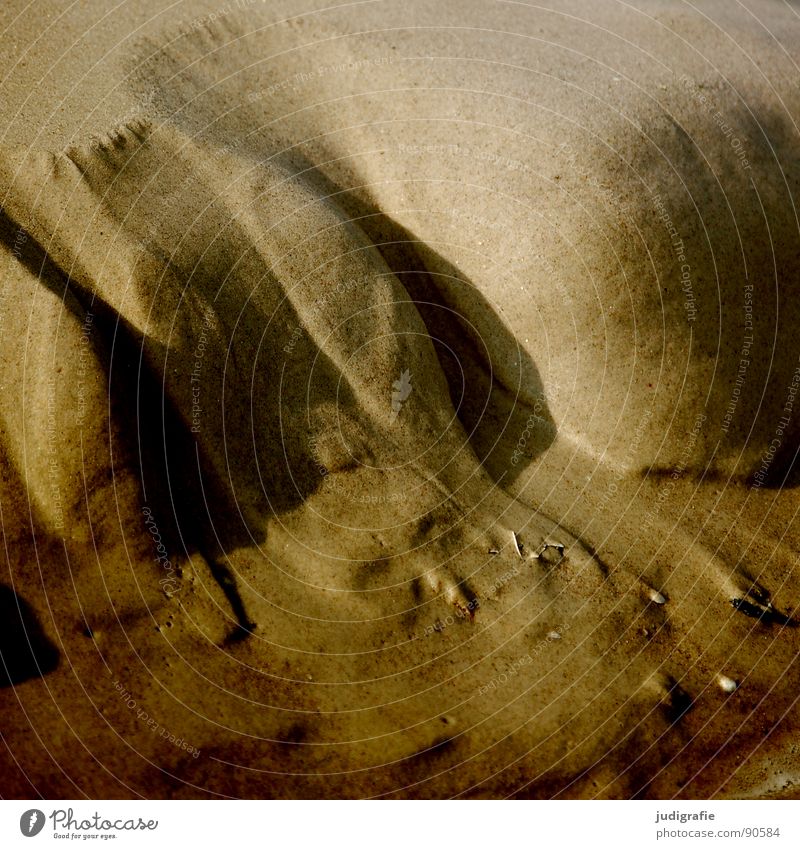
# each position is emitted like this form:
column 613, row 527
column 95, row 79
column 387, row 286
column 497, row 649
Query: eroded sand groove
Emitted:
column 369, row 434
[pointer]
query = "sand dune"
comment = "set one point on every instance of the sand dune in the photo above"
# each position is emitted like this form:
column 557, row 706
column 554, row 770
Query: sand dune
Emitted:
column 401, row 401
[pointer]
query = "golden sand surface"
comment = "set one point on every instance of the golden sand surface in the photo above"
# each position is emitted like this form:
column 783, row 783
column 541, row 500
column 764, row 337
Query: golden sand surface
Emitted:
column 399, row 399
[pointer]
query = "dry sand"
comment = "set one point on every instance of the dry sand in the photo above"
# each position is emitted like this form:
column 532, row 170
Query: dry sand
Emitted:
column 399, row 399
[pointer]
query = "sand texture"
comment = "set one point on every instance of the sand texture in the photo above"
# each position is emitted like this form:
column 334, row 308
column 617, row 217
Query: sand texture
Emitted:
column 399, row 399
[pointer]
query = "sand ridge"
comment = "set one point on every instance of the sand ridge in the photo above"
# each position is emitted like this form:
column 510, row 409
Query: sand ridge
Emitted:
column 381, row 453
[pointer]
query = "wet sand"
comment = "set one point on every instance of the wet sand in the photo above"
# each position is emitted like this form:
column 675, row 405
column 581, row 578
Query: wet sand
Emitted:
column 399, row 401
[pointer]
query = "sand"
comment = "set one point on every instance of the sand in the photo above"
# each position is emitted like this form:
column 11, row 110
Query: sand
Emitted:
column 399, row 400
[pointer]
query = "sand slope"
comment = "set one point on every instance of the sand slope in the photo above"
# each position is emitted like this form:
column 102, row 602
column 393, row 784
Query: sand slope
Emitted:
column 401, row 402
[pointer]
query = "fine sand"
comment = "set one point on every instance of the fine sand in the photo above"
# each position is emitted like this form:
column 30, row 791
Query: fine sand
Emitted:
column 399, row 399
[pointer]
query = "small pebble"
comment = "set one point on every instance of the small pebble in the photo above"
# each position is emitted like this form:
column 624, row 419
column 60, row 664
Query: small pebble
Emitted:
column 728, row 685
column 551, row 553
column 657, row 597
